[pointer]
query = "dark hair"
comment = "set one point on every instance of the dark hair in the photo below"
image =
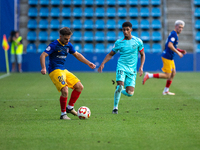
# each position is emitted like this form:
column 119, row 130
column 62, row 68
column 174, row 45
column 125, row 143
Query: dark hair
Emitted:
column 127, row 24
column 12, row 33
column 65, row 31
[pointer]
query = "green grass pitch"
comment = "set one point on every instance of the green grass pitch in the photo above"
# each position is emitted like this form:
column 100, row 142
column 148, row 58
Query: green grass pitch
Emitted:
column 30, row 111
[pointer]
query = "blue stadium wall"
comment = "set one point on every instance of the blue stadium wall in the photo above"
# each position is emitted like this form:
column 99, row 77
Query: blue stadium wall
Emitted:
column 31, row 61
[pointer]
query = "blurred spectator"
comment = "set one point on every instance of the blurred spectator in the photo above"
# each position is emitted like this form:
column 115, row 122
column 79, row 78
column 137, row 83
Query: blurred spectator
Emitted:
column 16, row 50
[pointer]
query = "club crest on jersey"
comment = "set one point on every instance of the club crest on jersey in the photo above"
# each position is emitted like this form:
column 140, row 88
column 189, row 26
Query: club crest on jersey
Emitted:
column 48, row 48
column 134, row 46
column 67, row 50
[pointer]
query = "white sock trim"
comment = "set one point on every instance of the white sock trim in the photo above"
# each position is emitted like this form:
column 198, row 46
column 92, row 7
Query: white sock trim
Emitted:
column 70, row 107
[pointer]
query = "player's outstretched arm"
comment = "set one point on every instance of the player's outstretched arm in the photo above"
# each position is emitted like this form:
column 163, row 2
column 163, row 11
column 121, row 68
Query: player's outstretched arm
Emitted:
column 142, row 62
column 106, row 59
column 42, row 62
column 81, row 58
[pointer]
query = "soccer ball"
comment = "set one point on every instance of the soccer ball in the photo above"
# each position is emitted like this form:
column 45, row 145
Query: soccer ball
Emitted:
column 84, row 112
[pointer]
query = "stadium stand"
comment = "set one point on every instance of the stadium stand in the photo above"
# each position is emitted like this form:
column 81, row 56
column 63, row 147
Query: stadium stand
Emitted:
column 66, row 12
column 111, row 2
column 43, row 36
column 156, row 24
column 88, row 47
column 147, row 48
column 66, row 2
column 122, row 12
column 197, row 37
column 77, row 12
column 156, row 48
column 77, row 2
column 145, row 36
column 66, row 22
column 77, row 24
column 88, row 2
column 88, row 12
column 32, row 24
column 198, row 48
column 133, row 2
column 94, row 20
column 111, row 24
column 144, row 12
column 156, row 12
column 99, row 2
column 156, row 36
column 155, row 2
column 77, row 36
column 88, row 36
column 99, row 36
column 44, row 12
column 78, row 47
column 100, row 12
column 32, row 2
column 111, row 12
column 55, row 2
column 54, row 35
column 144, row 2
column 44, row 2
column 100, row 24
column 144, row 24
column 88, row 24
column 32, row 12
column 43, row 24
column 111, row 36
column 133, row 12
column 31, row 48
column 54, row 24
column 99, row 48
column 41, row 47
column 120, row 22
column 31, row 36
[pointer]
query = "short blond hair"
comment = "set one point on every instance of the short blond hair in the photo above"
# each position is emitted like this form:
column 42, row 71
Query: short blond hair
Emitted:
column 179, row 22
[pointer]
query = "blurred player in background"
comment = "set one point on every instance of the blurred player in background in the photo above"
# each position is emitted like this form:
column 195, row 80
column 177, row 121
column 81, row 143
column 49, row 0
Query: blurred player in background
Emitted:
column 129, row 46
column 168, row 58
column 62, row 78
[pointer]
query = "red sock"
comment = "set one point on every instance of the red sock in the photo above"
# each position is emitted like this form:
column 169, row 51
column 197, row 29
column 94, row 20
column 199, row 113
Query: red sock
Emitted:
column 74, row 96
column 168, row 83
column 156, row 75
column 63, row 103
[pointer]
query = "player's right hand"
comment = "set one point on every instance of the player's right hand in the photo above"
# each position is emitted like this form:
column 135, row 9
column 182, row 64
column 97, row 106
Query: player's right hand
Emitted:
column 100, row 68
column 43, row 71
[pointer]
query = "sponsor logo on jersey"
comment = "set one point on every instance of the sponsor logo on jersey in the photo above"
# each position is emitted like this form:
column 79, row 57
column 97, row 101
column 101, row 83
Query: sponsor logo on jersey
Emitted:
column 62, row 57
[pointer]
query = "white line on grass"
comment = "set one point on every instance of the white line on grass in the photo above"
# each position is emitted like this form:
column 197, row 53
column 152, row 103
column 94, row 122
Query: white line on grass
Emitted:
column 5, row 75
column 163, row 98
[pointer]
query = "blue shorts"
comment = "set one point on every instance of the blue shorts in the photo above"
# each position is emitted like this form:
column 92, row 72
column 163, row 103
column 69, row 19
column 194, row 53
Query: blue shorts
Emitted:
column 13, row 58
column 127, row 78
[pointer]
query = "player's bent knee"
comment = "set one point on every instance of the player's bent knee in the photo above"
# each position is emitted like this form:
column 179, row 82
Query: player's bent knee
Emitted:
column 130, row 93
column 64, row 91
column 78, row 86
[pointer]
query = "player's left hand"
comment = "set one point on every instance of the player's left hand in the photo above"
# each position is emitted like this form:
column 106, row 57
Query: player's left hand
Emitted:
column 184, row 52
column 91, row 65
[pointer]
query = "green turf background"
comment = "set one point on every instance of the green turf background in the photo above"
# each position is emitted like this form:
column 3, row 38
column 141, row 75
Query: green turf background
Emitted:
column 30, row 111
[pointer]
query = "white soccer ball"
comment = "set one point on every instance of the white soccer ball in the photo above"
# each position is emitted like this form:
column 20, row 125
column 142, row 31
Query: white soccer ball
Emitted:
column 83, row 112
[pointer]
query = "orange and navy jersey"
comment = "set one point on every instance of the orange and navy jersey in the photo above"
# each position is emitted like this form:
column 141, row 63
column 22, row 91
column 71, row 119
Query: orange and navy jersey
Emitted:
column 58, row 54
column 168, row 53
